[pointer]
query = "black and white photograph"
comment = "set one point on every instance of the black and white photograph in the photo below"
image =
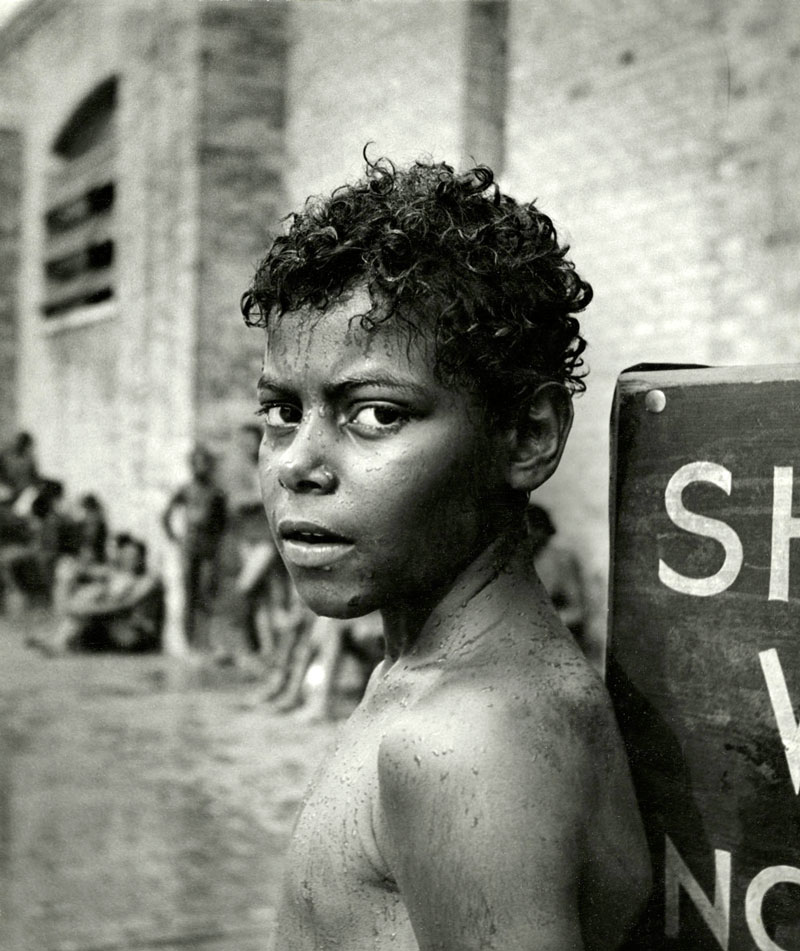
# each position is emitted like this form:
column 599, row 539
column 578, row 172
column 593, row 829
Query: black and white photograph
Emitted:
column 399, row 547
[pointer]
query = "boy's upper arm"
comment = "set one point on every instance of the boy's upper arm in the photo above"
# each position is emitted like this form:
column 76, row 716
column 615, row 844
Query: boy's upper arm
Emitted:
column 481, row 825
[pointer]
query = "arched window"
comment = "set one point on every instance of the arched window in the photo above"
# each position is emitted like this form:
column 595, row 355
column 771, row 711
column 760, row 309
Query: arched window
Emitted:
column 79, row 216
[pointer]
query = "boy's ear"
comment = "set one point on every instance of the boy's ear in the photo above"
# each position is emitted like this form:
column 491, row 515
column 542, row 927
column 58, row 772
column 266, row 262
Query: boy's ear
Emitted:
column 539, row 437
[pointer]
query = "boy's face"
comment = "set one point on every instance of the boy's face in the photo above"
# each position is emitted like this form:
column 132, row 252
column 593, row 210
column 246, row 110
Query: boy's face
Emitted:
column 379, row 483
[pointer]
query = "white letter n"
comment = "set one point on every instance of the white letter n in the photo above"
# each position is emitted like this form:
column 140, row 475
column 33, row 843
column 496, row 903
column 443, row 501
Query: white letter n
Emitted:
column 784, row 714
column 716, row 916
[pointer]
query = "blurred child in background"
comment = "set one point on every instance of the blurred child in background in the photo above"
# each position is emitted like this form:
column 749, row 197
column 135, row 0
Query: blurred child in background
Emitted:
column 195, row 520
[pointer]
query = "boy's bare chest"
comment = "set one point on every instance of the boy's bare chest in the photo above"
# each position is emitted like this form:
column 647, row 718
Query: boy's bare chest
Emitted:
column 338, row 887
column 337, row 816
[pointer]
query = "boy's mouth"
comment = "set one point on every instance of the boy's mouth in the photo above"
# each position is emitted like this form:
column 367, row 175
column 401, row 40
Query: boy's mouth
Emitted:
column 309, row 545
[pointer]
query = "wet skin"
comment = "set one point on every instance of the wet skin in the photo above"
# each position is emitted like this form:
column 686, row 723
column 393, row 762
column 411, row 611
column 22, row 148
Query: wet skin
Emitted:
column 363, row 442
column 479, row 797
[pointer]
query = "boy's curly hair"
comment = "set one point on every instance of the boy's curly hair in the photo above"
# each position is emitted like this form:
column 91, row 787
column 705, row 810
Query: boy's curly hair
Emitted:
column 447, row 254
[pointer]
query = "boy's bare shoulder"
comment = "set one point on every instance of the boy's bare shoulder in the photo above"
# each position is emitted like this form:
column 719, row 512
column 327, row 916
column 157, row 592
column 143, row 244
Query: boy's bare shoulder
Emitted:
column 546, row 707
column 494, row 774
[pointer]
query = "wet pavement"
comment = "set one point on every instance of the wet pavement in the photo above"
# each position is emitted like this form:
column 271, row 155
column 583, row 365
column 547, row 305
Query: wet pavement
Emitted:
column 145, row 802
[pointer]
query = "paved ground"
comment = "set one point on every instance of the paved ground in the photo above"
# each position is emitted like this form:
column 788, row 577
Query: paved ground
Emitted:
column 144, row 802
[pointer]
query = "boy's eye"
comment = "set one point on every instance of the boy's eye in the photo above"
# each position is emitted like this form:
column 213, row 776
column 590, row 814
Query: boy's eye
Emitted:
column 281, row 415
column 379, row 417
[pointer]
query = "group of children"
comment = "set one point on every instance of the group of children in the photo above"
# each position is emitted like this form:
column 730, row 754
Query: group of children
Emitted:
column 60, row 555
column 103, row 595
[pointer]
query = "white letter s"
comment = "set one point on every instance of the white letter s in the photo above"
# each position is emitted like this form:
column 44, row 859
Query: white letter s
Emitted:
column 701, row 525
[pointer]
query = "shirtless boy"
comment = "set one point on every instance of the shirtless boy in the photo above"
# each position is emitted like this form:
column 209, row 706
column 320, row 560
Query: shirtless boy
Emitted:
column 421, row 352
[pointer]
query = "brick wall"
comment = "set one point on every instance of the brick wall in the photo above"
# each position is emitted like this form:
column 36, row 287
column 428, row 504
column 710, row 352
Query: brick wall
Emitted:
column 58, row 397
column 663, row 139
column 159, row 186
column 486, row 82
column 389, row 73
column 117, row 396
column 109, row 397
column 10, row 196
column 242, row 161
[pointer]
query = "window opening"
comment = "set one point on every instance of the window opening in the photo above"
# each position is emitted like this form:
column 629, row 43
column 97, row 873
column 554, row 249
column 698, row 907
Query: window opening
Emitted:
column 80, row 197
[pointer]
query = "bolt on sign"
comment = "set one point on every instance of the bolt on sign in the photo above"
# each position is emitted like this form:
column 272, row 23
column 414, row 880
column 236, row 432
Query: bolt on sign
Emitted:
column 704, row 647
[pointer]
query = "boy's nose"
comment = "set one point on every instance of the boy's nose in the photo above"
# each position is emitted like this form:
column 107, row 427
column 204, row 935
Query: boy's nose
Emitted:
column 319, row 479
column 303, row 467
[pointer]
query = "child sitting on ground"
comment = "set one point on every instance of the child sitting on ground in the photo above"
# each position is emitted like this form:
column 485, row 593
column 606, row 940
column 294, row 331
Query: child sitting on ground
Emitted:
column 421, row 350
column 115, row 606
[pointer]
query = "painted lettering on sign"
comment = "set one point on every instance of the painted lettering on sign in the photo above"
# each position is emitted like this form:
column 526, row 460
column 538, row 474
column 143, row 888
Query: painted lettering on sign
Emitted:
column 784, row 713
column 716, row 912
column 785, row 527
column 701, row 525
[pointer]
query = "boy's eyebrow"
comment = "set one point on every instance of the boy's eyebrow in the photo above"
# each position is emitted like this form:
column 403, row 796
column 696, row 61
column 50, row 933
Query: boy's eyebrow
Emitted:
column 375, row 379
column 345, row 384
column 266, row 382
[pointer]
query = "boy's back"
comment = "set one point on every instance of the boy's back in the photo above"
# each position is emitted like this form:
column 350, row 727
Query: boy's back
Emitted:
column 479, row 790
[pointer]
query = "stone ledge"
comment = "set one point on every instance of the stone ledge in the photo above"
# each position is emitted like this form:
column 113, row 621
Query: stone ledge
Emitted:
column 80, row 317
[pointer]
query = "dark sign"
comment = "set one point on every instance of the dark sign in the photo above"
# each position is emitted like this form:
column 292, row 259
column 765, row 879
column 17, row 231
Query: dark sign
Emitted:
column 704, row 647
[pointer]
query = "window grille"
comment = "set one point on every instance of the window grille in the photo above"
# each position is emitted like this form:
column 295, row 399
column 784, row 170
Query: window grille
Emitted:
column 79, row 257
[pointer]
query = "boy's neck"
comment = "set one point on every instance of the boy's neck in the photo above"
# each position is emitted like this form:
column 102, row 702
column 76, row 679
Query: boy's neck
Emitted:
column 414, row 630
